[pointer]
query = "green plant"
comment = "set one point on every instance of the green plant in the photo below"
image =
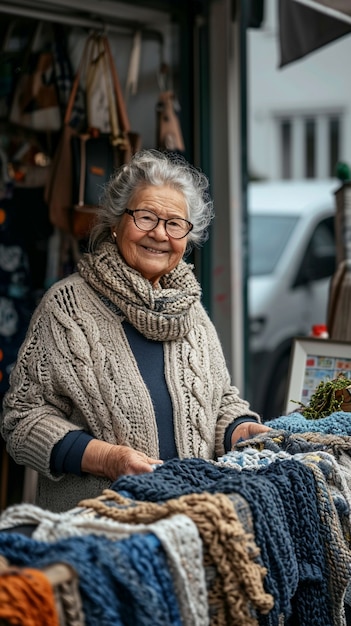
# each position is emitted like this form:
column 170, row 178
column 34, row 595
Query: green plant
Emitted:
column 325, row 400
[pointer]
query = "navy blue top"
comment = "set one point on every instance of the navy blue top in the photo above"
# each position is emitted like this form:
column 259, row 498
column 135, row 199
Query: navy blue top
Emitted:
column 150, row 358
column 67, row 453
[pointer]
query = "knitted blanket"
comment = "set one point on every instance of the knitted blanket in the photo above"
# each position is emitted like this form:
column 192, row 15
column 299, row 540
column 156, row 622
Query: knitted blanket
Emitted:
column 238, row 591
column 179, row 537
column 337, row 423
column 336, row 473
column 328, row 456
column 124, row 583
column 331, row 452
column 285, row 492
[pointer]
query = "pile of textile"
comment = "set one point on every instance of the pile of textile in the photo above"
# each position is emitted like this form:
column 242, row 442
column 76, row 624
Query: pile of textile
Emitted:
column 259, row 537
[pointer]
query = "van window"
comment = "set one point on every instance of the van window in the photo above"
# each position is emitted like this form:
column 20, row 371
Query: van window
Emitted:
column 322, row 240
column 268, row 236
column 319, row 260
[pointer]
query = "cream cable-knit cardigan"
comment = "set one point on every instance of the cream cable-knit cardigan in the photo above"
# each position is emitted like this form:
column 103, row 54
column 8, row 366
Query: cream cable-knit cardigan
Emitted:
column 76, row 370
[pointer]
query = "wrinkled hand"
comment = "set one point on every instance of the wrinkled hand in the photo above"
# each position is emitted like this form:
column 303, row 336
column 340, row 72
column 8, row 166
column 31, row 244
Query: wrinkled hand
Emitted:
column 111, row 461
column 247, row 430
column 123, row 460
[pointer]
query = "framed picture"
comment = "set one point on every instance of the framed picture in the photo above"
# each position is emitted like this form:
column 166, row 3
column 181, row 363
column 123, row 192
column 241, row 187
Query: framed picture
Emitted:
column 314, row 360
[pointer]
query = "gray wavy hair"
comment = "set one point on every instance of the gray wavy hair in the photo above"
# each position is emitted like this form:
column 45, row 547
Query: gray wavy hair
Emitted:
column 154, row 168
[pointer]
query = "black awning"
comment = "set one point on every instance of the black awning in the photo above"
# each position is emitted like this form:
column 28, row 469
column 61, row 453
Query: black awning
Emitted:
column 307, row 25
column 340, row 9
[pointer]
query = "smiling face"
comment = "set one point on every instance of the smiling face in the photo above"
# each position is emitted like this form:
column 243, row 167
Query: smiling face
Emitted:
column 152, row 253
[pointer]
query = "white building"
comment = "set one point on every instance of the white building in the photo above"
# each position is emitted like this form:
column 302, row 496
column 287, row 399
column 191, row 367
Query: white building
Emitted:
column 299, row 116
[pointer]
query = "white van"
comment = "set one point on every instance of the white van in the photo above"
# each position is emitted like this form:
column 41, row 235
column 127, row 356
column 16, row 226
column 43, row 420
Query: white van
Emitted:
column 291, row 261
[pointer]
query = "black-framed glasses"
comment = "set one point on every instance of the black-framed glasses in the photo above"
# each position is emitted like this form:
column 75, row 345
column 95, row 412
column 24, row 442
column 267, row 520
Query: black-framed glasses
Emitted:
column 176, row 227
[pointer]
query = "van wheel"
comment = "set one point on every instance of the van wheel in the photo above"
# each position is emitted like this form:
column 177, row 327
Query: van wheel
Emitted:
column 277, row 390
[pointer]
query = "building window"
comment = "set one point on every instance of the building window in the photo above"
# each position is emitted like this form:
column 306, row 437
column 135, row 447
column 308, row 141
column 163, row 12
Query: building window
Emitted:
column 334, row 144
column 310, row 148
column 286, row 148
column 309, row 145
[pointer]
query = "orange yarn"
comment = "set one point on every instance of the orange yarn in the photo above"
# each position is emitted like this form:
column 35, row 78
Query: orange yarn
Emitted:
column 27, row 598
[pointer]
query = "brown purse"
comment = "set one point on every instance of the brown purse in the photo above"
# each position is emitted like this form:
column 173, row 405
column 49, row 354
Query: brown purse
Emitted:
column 169, row 134
column 83, row 162
column 168, row 131
column 35, row 104
column 58, row 188
column 97, row 155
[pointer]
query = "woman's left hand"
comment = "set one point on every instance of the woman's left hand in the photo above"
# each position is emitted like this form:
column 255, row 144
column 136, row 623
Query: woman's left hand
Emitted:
column 247, row 430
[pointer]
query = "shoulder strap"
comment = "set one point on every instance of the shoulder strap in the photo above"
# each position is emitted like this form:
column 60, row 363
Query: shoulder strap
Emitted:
column 76, row 82
column 121, row 106
column 111, row 101
column 134, row 63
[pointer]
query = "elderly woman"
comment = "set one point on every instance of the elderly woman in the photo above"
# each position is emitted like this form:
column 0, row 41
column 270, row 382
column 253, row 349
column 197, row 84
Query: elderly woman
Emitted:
column 122, row 368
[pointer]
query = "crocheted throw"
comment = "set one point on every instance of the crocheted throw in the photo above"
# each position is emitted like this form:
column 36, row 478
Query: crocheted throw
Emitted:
column 338, row 423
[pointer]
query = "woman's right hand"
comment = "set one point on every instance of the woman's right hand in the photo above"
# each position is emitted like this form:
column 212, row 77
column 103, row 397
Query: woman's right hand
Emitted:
column 112, row 461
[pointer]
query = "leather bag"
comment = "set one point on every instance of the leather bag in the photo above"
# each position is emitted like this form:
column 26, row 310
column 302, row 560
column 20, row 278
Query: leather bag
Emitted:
column 35, row 103
column 168, row 130
column 169, row 134
column 85, row 161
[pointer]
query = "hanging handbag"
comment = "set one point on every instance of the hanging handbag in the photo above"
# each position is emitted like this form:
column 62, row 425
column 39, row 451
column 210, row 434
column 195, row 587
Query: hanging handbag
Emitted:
column 35, row 102
column 168, row 131
column 93, row 161
column 58, row 189
column 96, row 154
column 169, row 134
column 64, row 77
column 93, row 153
column 83, row 162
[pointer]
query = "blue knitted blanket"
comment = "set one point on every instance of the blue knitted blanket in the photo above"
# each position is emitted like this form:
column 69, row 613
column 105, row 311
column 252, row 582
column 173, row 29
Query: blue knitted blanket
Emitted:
column 284, row 506
column 338, row 423
column 123, row 583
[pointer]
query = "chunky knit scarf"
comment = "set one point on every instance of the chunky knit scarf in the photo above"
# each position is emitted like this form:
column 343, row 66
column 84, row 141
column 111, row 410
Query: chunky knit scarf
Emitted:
column 161, row 314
